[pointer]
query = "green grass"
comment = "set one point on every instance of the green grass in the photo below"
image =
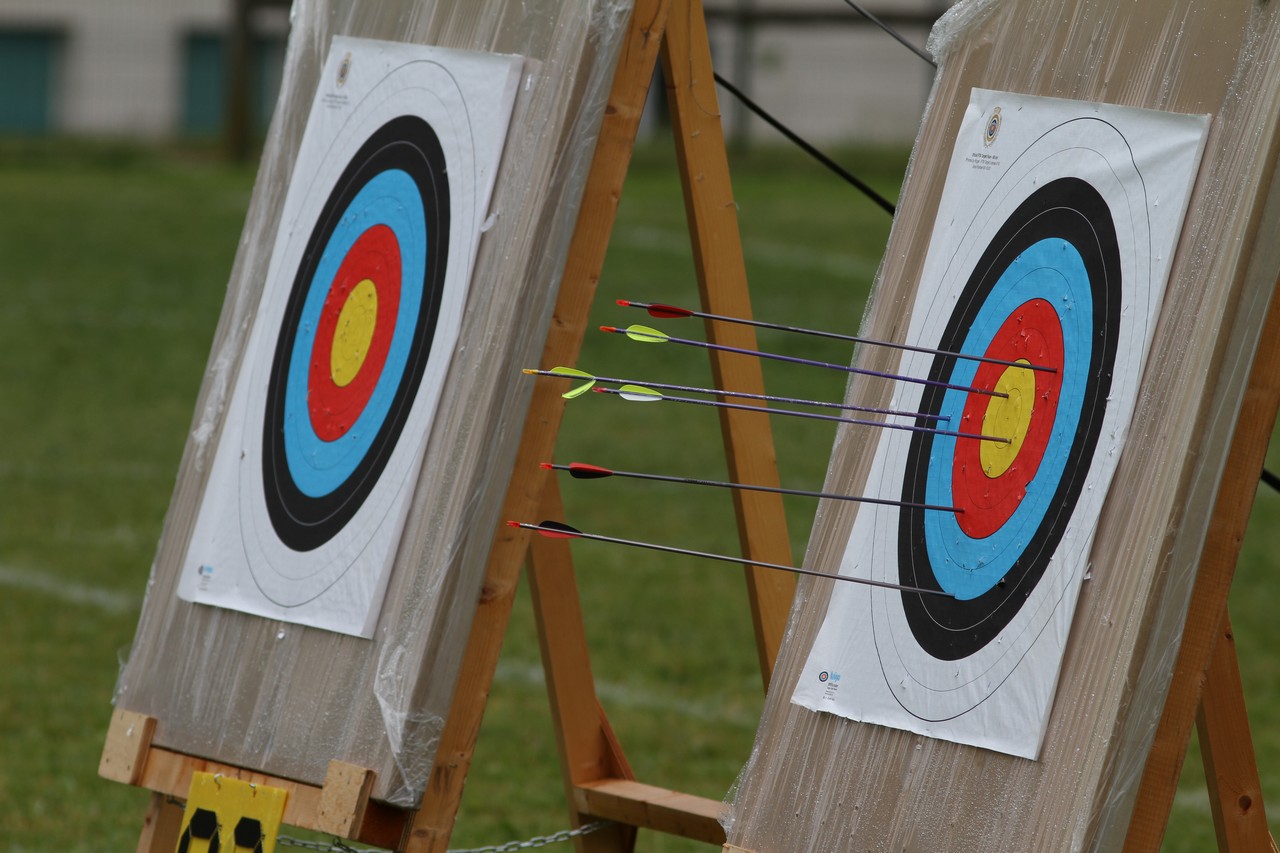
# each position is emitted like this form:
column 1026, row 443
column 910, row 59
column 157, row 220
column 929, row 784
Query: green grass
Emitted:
column 115, row 263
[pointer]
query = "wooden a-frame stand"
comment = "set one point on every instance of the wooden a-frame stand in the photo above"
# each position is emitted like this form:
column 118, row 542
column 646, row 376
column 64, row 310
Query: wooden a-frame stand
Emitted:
column 598, row 782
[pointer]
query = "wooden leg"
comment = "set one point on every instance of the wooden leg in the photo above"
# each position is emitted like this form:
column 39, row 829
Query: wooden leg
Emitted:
column 1230, row 769
column 722, row 280
column 589, row 751
column 1207, row 611
column 432, row 825
column 160, row 826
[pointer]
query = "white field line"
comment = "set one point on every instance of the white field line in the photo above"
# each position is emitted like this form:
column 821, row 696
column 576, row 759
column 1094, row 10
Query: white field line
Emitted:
column 521, row 674
column 68, row 592
column 633, row 698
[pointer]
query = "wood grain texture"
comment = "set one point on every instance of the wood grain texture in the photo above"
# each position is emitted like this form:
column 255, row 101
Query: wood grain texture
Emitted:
column 1230, row 768
column 651, row 807
column 344, row 798
column 125, row 752
column 283, row 699
column 168, row 775
column 589, row 749
column 1230, row 515
column 161, row 825
column 817, row 782
column 433, row 824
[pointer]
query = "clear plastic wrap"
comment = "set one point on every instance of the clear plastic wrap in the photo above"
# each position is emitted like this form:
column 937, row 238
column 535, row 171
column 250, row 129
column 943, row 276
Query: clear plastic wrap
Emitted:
column 818, row 782
column 285, row 699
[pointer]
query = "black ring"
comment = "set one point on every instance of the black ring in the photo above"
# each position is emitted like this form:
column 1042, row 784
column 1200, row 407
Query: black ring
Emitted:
column 1071, row 210
column 302, row 522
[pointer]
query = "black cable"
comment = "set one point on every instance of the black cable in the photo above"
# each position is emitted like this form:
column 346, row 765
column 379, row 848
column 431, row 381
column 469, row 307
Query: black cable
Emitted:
column 1271, row 479
column 891, row 31
column 805, row 146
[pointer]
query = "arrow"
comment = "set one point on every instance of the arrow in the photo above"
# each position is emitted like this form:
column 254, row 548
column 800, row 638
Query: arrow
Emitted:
column 569, row 372
column 647, row 335
column 661, row 311
column 560, row 530
column 583, row 471
column 641, row 394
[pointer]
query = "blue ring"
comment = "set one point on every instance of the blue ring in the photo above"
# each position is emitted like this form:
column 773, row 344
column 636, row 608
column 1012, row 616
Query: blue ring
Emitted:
column 1050, row 269
column 318, row 467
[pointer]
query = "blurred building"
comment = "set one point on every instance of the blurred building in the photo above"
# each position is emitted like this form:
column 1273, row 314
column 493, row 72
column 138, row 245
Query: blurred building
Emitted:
column 137, row 68
column 821, row 68
column 160, row 68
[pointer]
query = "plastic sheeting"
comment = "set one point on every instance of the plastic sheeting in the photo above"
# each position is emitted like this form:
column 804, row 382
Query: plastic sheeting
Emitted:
column 284, row 699
column 818, row 782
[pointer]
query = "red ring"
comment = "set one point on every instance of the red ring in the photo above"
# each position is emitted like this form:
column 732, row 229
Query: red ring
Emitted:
column 375, row 256
column 1032, row 332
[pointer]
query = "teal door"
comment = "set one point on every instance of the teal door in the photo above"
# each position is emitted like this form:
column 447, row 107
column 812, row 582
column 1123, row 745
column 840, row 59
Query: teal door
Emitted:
column 205, row 82
column 29, row 62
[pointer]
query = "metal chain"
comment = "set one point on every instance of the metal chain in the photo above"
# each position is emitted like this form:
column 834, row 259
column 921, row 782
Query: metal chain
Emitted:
column 563, row 835
column 334, row 846
column 539, row 840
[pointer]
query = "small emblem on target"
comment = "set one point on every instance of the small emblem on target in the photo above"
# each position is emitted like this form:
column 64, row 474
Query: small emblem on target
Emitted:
column 993, row 128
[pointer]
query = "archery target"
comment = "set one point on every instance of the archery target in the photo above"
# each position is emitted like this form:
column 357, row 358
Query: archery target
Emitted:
column 361, row 309
column 1044, row 272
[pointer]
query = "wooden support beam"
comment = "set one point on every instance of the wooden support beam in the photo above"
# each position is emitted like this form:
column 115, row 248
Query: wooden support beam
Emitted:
column 1208, row 609
column 589, row 750
column 161, row 825
column 650, row 807
column 1230, row 768
column 433, row 824
column 722, row 280
column 169, row 773
column 598, row 781
column 342, row 806
column 344, row 799
column 128, row 741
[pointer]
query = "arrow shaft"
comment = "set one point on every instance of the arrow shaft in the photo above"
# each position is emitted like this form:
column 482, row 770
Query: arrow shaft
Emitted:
column 724, row 558
column 773, row 398
column 817, row 417
column 836, row 336
column 777, row 490
column 791, row 359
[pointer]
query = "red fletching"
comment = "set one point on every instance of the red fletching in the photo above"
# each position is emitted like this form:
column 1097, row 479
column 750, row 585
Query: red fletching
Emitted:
column 657, row 309
column 583, row 471
column 557, row 530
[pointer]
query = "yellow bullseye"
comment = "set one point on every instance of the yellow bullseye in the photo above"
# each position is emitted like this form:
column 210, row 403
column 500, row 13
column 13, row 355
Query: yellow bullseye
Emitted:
column 354, row 333
column 1008, row 417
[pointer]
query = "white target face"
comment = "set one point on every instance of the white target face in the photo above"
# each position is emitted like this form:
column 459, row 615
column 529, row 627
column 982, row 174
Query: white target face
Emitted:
column 1042, row 282
column 330, row 417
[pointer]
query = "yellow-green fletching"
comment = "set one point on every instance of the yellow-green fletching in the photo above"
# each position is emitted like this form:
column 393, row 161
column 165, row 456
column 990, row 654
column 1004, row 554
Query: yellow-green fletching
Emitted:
column 638, row 394
column 647, row 335
column 570, row 371
column 574, row 373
